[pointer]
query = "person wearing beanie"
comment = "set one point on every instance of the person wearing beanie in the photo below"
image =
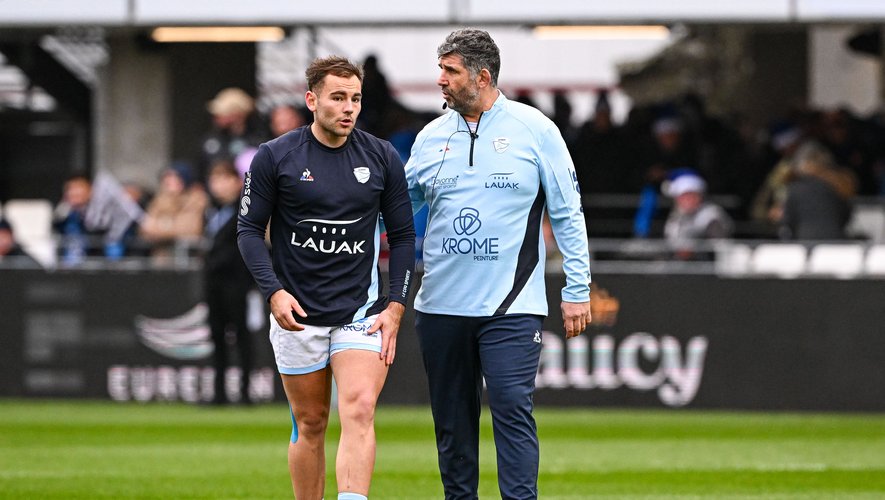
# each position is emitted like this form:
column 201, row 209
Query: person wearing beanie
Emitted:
column 692, row 218
column 175, row 213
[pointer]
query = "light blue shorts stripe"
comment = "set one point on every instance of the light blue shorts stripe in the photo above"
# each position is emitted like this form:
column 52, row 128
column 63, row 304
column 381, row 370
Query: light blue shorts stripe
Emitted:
column 344, row 346
column 301, row 371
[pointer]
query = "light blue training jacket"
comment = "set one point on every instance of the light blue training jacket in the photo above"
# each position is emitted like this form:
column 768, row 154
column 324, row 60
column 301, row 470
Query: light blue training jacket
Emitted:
column 484, row 252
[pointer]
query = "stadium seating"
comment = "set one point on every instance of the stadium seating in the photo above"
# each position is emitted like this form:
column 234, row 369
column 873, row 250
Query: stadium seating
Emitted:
column 733, row 259
column 32, row 223
column 839, row 260
column 785, row 260
column 874, row 264
column 868, row 221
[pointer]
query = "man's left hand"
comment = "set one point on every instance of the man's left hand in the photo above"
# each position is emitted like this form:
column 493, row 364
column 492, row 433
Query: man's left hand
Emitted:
column 575, row 317
column 388, row 322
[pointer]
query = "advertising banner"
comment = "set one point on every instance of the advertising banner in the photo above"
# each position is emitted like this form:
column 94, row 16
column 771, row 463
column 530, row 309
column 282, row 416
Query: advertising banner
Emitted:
column 664, row 341
column 127, row 336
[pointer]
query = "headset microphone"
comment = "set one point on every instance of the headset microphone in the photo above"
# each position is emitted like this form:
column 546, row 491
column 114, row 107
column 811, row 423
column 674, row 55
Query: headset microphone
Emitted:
column 445, row 105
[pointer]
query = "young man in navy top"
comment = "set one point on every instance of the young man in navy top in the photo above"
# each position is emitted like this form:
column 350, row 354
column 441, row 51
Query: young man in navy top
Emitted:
column 323, row 187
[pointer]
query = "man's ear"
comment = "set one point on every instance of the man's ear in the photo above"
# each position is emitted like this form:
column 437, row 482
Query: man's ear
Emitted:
column 484, row 79
column 310, row 99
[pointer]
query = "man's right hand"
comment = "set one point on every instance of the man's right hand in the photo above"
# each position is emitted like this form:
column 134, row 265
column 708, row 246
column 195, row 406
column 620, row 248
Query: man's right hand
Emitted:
column 284, row 306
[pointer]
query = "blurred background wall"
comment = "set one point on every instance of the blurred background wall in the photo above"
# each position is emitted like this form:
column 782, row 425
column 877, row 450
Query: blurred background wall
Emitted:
column 90, row 77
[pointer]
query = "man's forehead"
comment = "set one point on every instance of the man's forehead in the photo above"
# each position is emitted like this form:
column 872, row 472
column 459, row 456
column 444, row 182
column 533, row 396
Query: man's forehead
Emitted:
column 333, row 83
column 451, row 59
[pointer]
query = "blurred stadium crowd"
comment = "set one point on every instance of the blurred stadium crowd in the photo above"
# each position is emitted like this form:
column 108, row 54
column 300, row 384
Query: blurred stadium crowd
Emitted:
column 670, row 172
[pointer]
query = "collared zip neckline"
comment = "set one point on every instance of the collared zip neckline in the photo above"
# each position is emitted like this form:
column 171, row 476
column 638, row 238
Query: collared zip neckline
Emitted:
column 473, row 135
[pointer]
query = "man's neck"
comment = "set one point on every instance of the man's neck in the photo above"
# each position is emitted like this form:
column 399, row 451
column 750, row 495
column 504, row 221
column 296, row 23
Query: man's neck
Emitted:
column 325, row 138
column 485, row 102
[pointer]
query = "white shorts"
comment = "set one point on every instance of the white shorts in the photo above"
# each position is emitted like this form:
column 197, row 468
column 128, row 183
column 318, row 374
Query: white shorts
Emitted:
column 309, row 350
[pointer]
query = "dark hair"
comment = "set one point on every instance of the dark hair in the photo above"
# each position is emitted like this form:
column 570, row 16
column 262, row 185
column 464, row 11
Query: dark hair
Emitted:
column 477, row 51
column 182, row 169
column 332, row 65
column 223, row 166
column 78, row 177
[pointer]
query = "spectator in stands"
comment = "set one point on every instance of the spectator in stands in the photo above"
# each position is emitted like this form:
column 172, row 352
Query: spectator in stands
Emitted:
column 692, row 217
column 524, row 96
column 670, row 150
column 785, row 139
column 673, row 148
column 602, row 155
column 243, row 161
column 76, row 242
column 227, row 280
column 132, row 241
column 376, row 100
column 10, row 250
column 817, row 203
column 841, row 137
column 562, row 116
column 285, row 117
column 723, row 159
column 175, row 214
column 403, row 125
column 235, row 127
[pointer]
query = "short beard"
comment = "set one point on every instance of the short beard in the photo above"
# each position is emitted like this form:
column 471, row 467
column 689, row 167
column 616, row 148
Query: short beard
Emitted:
column 465, row 100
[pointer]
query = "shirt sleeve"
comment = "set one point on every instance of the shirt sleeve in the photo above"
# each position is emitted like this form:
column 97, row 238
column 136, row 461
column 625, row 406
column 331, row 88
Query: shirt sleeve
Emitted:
column 416, row 192
column 397, row 213
column 560, row 184
column 256, row 207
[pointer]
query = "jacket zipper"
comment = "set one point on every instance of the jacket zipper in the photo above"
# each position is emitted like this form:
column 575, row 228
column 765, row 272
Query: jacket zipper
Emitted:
column 473, row 135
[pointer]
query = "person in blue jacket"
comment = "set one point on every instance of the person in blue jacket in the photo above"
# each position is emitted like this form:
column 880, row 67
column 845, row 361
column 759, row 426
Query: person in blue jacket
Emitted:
column 324, row 187
column 489, row 170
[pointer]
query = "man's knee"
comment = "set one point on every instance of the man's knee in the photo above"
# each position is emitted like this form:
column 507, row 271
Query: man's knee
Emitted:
column 359, row 407
column 312, row 425
column 510, row 396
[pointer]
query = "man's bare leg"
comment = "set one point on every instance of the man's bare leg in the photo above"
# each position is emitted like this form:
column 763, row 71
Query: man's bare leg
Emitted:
column 360, row 376
column 309, row 396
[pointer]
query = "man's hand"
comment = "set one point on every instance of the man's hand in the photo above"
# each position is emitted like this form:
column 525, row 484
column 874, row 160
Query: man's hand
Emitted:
column 388, row 322
column 575, row 317
column 282, row 306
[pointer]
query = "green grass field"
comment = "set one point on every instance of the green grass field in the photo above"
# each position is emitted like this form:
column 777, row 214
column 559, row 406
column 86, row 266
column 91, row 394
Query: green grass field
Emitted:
column 91, row 450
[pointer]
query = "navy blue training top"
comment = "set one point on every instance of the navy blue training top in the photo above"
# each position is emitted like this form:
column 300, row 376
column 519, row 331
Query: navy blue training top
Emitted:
column 324, row 204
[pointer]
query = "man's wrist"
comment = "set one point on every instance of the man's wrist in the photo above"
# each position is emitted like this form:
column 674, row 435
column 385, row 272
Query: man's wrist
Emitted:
column 396, row 305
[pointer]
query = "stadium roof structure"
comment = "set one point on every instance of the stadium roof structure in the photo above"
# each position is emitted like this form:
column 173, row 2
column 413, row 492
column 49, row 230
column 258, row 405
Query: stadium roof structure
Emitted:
column 146, row 13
